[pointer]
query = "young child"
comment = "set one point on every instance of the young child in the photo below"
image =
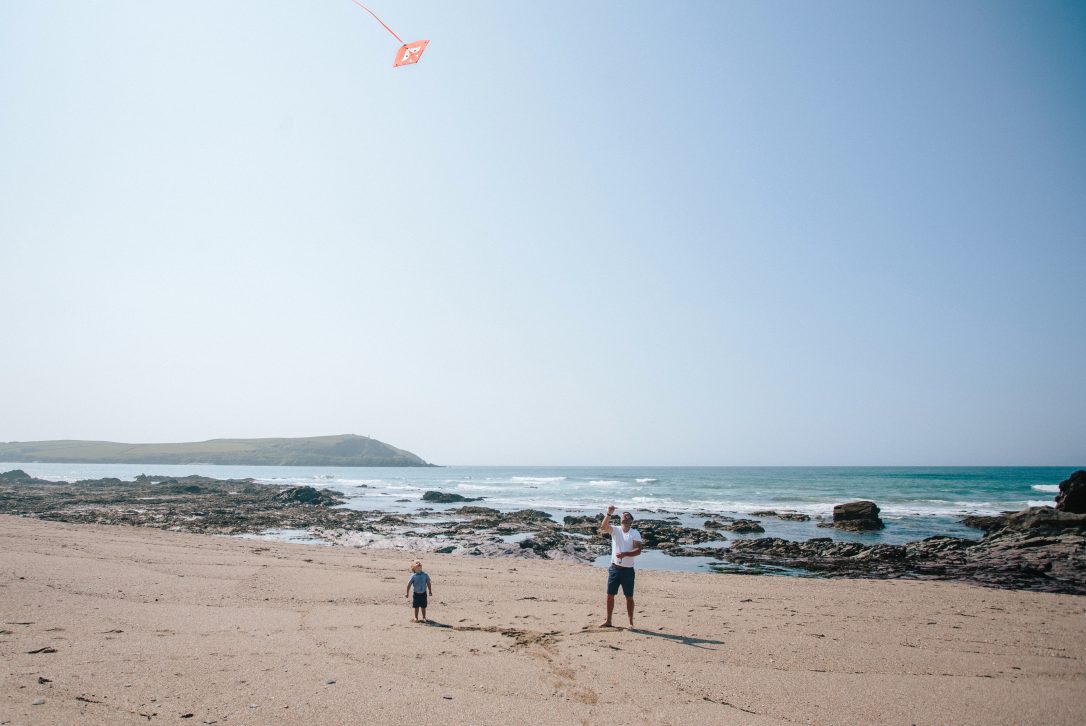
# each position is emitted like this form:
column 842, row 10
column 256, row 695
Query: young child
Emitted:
column 420, row 583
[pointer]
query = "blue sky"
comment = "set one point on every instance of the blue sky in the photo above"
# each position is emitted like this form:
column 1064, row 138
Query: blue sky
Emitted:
column 575, row 233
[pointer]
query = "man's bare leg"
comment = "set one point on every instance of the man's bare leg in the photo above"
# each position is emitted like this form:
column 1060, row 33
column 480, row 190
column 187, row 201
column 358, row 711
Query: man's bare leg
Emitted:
column 629, row 610
column 610, row 609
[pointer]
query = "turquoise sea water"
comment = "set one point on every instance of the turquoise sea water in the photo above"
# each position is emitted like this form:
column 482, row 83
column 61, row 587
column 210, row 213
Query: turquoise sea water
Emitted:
column 916, row 502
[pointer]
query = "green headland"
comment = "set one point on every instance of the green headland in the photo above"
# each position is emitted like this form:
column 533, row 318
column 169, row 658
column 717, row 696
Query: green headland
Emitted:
column 343, row 450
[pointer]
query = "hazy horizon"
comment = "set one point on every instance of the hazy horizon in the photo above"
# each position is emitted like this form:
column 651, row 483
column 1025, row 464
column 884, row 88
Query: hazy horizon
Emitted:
column 693, row 234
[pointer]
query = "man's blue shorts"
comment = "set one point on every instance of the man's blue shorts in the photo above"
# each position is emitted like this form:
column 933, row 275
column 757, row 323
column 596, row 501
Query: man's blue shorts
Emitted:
column 620, row 576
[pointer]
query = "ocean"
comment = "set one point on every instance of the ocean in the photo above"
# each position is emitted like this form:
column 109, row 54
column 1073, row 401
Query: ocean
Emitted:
column 916, row 502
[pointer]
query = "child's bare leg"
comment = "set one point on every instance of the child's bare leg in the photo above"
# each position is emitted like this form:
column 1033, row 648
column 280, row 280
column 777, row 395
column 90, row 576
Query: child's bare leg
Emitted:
column 424, row 615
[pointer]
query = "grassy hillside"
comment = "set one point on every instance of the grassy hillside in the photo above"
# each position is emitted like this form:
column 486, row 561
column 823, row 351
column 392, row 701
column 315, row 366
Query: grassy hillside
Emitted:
column 345, row 450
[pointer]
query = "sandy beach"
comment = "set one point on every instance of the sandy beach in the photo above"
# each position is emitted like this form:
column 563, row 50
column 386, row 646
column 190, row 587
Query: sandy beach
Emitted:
column 133, row 625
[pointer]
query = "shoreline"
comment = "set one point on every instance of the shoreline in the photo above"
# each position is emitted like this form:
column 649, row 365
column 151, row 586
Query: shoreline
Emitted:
column 1043, row 551
column 139, row 624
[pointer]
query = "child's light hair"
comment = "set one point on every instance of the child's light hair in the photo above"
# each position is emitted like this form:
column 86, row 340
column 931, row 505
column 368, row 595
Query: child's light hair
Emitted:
column 416, row 563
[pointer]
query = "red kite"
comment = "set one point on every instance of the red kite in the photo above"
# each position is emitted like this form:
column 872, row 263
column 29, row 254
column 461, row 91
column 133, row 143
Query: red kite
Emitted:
column 409, row 53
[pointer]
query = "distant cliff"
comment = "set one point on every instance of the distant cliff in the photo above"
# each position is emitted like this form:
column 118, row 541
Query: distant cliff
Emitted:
column 345, row 450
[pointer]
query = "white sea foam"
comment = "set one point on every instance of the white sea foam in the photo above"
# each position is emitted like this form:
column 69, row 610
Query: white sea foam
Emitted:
column 369, row 483
column 402, row 487
column 481, row 488
column 670, row 504
column 1054, row 488
column 647, row 481
column 1039, row 503
column 536, row 479
column 605, row 483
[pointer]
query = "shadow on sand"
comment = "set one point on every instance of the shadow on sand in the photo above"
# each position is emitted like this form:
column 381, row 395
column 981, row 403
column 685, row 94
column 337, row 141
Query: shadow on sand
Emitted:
column 684, row 639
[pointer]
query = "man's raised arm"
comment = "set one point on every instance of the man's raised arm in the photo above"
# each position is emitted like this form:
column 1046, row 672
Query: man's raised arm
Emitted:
column 605, row 525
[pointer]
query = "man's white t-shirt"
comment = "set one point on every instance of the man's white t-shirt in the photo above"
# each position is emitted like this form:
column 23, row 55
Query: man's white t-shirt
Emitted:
column 623, row 542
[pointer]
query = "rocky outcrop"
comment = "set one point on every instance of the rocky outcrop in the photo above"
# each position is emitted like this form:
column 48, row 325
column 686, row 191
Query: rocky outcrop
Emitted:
column 553, row 545
column 744, row 526
column 472, row 511
column 447, row 498
column 1072, row 496
column 527, row 516
column 984, row 522
column 1043, row 520
column 661, row 534
column 862, row 516
column 741, row 526
column 1038, row 548
column 296, row 495
column 790, row 516
column 821, row 554
column 192, row 504
column 583, row 524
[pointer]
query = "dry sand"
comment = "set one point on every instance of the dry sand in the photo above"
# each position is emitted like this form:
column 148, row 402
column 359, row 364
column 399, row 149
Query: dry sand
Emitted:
column 152, row 626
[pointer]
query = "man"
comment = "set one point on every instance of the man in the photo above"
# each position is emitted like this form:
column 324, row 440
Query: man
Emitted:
column 625, row 545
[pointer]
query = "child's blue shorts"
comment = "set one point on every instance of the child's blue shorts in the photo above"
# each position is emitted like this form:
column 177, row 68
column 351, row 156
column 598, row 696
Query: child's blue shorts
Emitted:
column 418, row 600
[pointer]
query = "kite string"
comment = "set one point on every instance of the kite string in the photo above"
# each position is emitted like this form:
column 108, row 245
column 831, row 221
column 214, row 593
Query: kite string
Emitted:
column 382, row 22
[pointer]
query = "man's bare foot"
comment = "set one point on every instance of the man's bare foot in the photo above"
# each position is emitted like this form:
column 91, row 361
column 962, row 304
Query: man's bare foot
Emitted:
column 606, row 625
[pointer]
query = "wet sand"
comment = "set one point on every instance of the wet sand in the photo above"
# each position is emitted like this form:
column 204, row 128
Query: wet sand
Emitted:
column 142, row 625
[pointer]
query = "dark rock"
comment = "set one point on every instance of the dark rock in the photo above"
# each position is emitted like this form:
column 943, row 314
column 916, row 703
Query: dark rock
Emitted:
column 477, row 511
column 308, row 495
column 857, row 516
column 108, row 481
column 855, row 510
column 1072, row 496
column 1044, row 519
column 985, row 523
column 694, row 551
column 15, row 475
column 932, row 547
column 393, row 520
column 663, row 534
column 185, row 488
column 589, row 524
column 527, row 515
column 447, row 498
column 790, row 516
column 1038, row 549
column 558, row 546
column 744, row 526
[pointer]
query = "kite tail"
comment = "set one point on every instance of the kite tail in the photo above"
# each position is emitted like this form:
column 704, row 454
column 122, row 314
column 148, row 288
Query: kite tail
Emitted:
column 382, row 22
